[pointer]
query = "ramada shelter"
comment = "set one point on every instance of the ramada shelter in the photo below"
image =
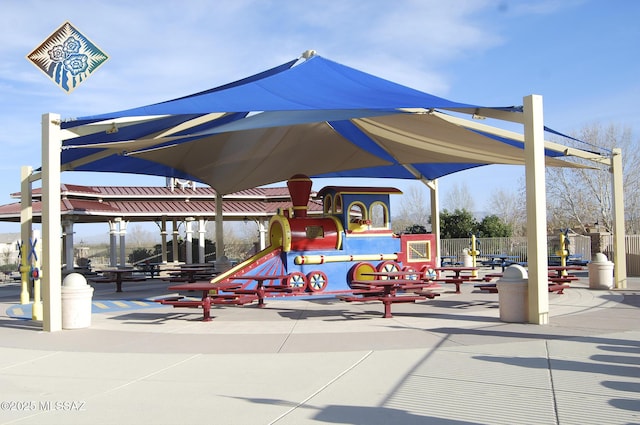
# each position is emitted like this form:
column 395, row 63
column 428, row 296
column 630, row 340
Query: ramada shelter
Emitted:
column 169, row 206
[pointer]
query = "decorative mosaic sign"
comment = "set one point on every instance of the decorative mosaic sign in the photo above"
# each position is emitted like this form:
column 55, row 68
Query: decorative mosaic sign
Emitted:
column 67, row 57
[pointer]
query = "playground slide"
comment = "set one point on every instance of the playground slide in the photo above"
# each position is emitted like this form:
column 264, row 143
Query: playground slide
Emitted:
column 265, row 262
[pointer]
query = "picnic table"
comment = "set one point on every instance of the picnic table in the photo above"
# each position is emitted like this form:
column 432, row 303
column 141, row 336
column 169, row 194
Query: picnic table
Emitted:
column 448, row 260
column 190, row 273
column 153, row 269
column 211, row 294
column 557, row 281
column 559, row 277
column 458, row 278
column 563, row 270
column 117, row 276
column 388, row 291
column 261, row 289
column 502, row 260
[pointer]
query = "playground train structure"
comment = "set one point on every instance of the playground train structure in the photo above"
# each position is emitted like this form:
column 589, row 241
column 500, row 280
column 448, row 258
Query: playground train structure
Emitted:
column 352, row 239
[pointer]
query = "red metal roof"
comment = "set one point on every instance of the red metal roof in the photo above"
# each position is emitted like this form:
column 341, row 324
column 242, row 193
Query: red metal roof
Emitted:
column 87, row 204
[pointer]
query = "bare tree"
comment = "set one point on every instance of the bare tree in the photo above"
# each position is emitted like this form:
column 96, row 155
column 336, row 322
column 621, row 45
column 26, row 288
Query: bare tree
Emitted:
column 137, row 236
column 583, row 197
column 509, row 206
column 414, row 209
column 459, row 198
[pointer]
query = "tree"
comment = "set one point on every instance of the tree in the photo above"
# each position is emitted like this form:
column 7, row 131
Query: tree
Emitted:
column 492, row 226
column 414, row 209
column 510, row 208
column 458, row 224
column 415, row 229
column 137, row 236
column 582, row 197
column 459, row 198
column 140, row 254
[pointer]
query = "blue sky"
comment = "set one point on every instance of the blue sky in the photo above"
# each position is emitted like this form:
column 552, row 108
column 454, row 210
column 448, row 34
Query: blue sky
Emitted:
column 580, row 55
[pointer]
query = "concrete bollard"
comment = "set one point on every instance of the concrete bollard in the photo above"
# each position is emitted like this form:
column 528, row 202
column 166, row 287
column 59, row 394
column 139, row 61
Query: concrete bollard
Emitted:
column 76, row 297
column 600, row 272
column 513, row 294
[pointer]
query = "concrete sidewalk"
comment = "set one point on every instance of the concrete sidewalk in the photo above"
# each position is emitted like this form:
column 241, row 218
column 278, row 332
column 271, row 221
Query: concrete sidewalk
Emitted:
column 444, row 361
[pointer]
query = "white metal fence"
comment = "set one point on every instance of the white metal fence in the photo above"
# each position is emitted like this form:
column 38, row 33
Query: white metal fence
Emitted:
column 632, row 248
column 517, row 246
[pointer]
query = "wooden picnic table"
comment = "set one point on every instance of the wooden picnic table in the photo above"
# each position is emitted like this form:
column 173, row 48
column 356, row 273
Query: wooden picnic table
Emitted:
column 386, row 291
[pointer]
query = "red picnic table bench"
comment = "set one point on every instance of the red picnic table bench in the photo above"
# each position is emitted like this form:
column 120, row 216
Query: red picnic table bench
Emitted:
column 557, row 282
column 458, row 278
column 388, row 292
column 210, row 296
column 226, row 293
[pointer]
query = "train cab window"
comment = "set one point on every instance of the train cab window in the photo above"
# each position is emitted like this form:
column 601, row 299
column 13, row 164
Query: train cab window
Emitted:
column 379, row 216
column 357, row 216
column 328, row 204
column 337, row 207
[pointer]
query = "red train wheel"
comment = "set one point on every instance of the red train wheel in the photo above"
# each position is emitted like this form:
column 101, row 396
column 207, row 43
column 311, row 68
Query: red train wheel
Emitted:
column 388, row 266
column 317, row 281
column 357, row 272
column 297, row 281
column 428, row 273
column 415, row 275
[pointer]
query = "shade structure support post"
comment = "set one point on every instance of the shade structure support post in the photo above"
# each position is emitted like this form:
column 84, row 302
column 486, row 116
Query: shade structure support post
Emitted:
column 113, row 241
column 163, row 237
column 188, row 226
column 68, row 244
column 219, row 229
column 174, row 240
column 123, row 242
column 262, row 229
column 538, row 288
column 619, row 249
column 26, row 229
column 202, row 230
column 51, row 224
column 435, row 215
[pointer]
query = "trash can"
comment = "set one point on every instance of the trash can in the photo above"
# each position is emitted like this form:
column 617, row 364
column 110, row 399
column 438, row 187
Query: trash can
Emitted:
column 600, row 272
column 76, row 302
column 467, row 260
column 513, row 294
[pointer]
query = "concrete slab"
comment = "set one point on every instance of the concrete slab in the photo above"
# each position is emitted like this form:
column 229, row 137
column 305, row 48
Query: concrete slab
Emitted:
column 444, row 361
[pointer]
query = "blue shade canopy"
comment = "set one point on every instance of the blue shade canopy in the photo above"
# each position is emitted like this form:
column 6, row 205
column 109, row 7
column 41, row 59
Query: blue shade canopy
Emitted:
column 313, row 117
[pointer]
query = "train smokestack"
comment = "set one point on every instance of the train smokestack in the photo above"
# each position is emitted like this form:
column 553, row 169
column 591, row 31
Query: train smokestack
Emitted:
column 299, row 189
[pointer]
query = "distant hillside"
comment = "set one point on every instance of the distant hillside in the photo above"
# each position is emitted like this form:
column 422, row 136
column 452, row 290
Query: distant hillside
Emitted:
column 9, row 237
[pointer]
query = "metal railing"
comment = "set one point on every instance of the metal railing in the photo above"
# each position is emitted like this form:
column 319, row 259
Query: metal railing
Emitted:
column 516, row 246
